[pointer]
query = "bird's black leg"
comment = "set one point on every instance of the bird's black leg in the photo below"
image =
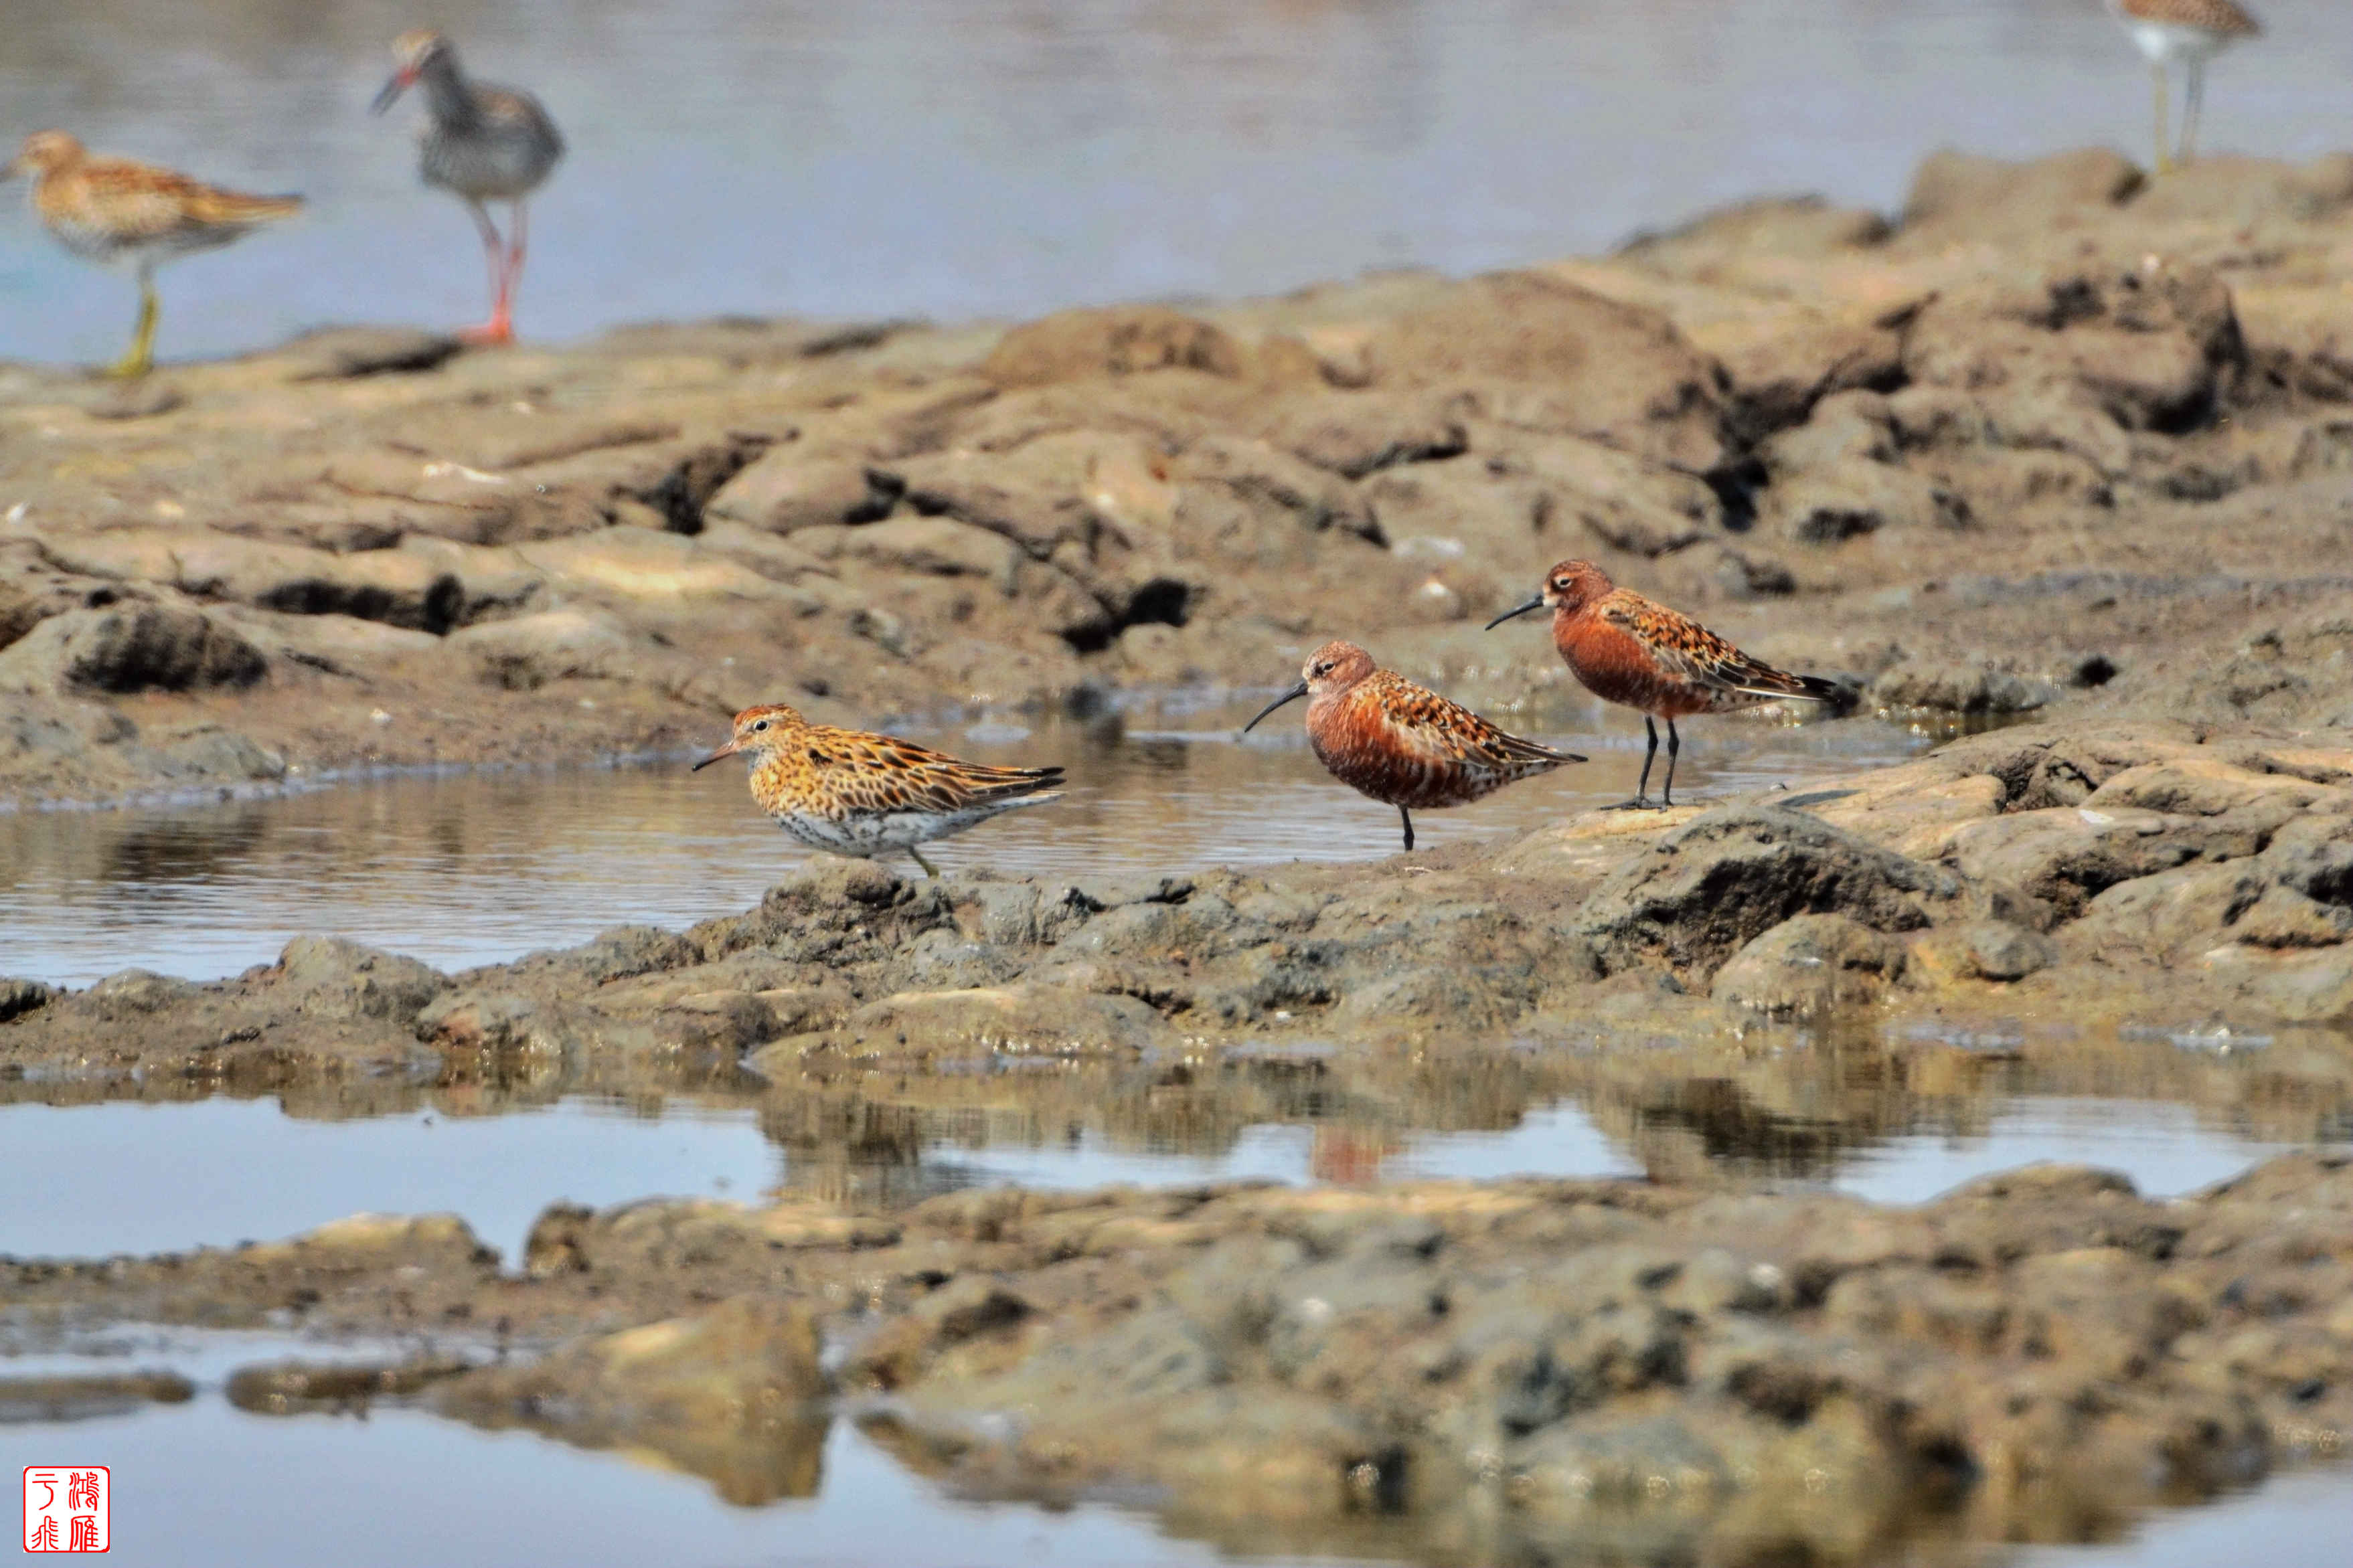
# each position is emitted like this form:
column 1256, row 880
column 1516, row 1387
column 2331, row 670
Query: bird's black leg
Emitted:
column 1407, row 817
column 1641, row 801
column 1674, row 744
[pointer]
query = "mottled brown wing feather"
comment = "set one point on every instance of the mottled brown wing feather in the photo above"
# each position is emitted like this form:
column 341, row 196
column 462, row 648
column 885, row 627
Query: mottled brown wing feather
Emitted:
column 2213, row 16
column 142, row 200
column 1442, row 729
column 882, row 773
column 1691, row 652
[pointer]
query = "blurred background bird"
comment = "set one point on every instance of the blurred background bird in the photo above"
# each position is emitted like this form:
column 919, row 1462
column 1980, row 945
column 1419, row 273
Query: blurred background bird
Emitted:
column 2191, row 31
column 484, row 143
column 121, row 213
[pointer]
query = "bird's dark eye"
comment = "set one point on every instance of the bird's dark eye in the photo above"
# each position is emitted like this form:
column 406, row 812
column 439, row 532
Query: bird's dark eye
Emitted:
column 761, row 725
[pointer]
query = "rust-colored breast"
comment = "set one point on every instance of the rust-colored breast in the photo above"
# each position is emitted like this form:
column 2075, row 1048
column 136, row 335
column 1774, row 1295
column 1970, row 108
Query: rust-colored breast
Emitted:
column 1616, row 665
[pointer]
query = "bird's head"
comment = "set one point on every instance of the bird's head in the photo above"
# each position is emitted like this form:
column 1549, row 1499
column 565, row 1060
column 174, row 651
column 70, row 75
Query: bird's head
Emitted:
column 413, row 54
column 44, row 152
column 1570, row 586
column 758, row 731
column 1330, row 669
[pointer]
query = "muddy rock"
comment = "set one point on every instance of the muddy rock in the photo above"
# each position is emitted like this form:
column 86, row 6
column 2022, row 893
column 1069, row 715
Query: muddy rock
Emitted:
column 529, row 651
column 1851, row 498
column 727, row 1393
column 1563, row 359
column 341, row 979
column 343, row 354
column 130, row 648
column 794, row 487
column 1708, row 890
column 24, row 1400
column 287, row 1388
column 1809, row 964
column 1958, row 192
column 21, row 996
column 1115, row 341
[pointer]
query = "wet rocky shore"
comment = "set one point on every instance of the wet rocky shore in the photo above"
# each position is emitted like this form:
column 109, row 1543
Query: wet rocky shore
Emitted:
column 2055, row 440
column 2060, row 453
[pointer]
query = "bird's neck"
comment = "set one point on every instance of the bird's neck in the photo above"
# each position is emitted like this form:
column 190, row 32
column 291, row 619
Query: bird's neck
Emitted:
column 447, row 94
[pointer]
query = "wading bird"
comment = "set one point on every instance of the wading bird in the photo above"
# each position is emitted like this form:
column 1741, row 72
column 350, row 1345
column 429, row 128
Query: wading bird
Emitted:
column 120, row 212
column 486, row 143
column 2191, row 31
column 862, row 795
column 1403, row 744
column 1657, row 661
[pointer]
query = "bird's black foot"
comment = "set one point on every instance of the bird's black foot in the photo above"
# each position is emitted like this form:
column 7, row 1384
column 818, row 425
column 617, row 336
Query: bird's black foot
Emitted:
column 1639, row 803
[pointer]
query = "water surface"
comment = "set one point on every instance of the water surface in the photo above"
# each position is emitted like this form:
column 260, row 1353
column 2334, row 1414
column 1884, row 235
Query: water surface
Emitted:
column 207, row 1484
column 482, row 867
column 953, row 158
column 95, row 1180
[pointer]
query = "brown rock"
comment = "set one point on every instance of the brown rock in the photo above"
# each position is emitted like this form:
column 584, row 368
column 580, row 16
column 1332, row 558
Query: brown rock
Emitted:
column 1567, row 361
column 130, row 648
column 1961, row 193
column 1809, row 965
column 1127, row 340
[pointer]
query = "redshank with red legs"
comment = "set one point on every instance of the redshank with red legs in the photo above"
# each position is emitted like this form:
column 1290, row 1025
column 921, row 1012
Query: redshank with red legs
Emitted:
column 485, row 143
column 1658, row 661
column 120, row 212
column 1403, row 744
column 863, row 794
column 2191, row 31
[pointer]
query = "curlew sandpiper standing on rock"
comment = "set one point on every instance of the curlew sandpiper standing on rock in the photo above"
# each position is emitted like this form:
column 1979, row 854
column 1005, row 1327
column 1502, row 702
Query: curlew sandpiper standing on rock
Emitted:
column 486, row 143
column 1400, row 743
column 1658, row 661
column 125, row 214
column 862, row 795
column 2191, row 31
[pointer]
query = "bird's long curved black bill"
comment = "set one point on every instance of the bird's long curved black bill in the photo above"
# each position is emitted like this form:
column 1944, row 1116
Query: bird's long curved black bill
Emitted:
column 1534, row 603
column 392, row 91
column 1293, row 695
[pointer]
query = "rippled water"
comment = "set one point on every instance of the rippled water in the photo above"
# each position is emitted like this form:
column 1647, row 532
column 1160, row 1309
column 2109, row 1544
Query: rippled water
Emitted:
column 477, row 869
column 962, row 157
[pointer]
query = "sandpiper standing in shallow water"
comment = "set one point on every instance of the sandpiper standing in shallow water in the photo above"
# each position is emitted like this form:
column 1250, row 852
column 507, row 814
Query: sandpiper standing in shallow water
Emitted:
column 1655, row 660
column 2191, row 31
column 1400, row 743
column 124, row 214
column 862, row 795
column 486, row 143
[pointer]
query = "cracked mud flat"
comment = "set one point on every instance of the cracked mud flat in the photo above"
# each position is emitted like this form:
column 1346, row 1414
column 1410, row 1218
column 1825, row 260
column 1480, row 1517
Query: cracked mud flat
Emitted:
column 2058, row 448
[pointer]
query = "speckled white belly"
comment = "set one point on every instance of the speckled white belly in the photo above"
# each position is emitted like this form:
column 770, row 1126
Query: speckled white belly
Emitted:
column 866, row 836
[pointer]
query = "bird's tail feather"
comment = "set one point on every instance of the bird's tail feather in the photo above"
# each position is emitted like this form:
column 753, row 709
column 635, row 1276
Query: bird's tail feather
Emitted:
column 235, row 207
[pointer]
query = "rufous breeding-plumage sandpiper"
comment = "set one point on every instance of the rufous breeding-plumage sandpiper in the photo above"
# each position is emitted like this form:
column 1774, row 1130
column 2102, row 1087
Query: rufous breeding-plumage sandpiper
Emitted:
column 1403, row 744
column 121, row 213
column 2191, row 31
column 485, row 143
column 1657, row 661
column 863, row 794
